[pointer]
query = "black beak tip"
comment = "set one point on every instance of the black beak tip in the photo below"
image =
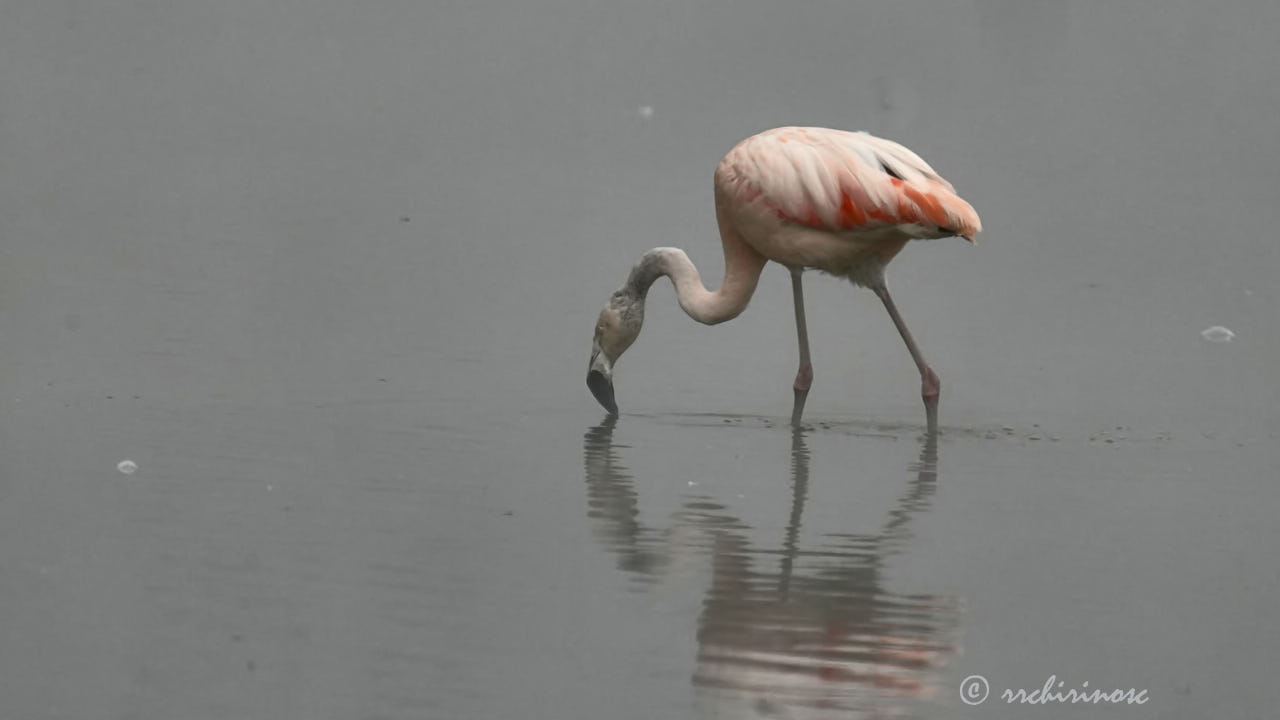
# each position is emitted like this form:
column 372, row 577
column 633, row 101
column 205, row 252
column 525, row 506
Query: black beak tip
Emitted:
column 602, row 389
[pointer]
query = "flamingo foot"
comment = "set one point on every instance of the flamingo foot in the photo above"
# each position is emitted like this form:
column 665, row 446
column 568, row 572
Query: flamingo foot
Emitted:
column 798, row 409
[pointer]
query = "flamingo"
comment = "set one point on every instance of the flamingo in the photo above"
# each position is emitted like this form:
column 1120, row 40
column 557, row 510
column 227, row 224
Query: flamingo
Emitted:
column 841, row 202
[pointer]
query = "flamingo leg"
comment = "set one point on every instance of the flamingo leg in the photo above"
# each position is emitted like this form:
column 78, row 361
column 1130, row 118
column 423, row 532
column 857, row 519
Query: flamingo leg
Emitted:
column 804, row 376
column 930, row 385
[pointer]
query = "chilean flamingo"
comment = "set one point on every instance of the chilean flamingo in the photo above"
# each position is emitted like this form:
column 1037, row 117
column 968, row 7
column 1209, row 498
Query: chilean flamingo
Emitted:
column 841, row 202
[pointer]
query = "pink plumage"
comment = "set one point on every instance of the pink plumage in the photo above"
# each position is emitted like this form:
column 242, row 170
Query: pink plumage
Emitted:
column 837, row 181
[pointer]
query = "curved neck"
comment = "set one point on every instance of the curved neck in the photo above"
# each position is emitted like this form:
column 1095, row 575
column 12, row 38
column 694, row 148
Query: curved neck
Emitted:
column 742, row 266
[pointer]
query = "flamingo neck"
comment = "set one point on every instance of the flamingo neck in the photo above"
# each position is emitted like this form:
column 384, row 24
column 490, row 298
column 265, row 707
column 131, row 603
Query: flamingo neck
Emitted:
column 742, row 272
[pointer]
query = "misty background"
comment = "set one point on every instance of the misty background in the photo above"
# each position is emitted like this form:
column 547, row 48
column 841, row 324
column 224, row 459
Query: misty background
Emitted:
column 327, row 273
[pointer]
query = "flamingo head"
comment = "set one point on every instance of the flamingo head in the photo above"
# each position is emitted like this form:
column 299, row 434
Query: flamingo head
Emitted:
column 617, row 327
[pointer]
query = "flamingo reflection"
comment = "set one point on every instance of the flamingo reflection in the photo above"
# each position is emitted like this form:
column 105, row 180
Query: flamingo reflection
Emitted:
column 805, row 629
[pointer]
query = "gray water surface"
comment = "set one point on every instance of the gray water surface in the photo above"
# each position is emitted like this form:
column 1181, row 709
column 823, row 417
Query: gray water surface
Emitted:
column 327, row 273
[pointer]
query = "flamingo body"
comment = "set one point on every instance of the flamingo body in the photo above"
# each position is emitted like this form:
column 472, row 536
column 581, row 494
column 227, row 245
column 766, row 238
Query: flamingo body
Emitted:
column 841, row 202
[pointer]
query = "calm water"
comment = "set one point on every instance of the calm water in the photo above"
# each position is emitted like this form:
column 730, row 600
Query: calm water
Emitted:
column 327, row 276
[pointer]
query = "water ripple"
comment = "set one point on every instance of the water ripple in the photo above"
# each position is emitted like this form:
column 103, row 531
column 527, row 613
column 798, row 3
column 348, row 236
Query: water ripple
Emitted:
column 798, row 629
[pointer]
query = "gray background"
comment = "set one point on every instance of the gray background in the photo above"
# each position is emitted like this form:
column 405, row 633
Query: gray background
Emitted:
column 327, row 273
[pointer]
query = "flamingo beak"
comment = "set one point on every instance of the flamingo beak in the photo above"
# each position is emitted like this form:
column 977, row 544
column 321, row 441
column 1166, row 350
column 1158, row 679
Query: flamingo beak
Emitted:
column 600, row 379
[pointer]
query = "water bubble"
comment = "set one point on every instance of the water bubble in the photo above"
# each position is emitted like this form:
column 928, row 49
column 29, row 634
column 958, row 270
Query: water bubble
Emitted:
column 128, row 467
column 646, row 111
column 1218, row 334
